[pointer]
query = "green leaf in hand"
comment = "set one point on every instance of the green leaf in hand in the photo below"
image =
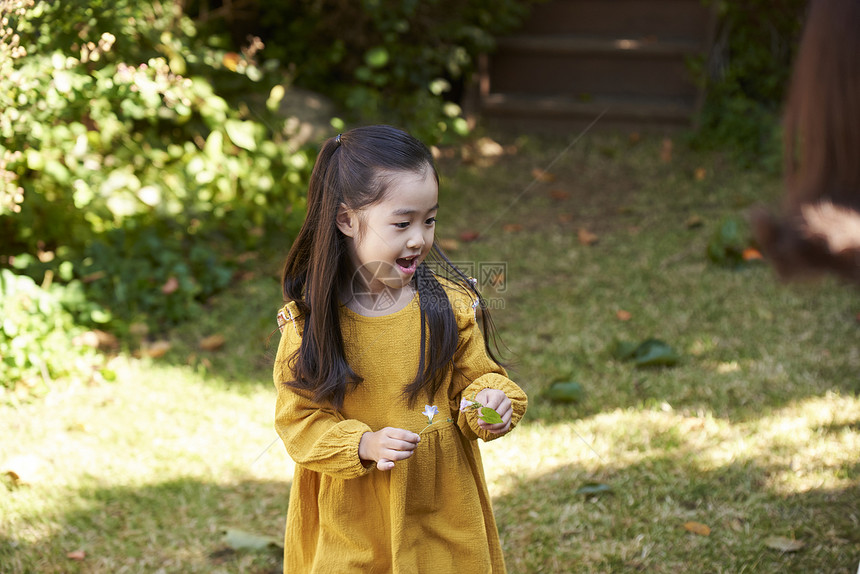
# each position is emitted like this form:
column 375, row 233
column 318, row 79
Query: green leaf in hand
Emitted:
column 490, row 416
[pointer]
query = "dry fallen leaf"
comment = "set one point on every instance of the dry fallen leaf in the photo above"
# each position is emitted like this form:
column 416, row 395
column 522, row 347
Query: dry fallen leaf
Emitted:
column 212, row 342
column 79, row 426
column 489, row 148
column 468, row 236
column 623, row 315
column 88, row 339
column 24, row 469
column 694, row 221
column 138, row 329
column 542, row 176
column 512, row 227
column 586, row 237
column 231, row 61
column 559, row 194
column 78, row 555
column 666, row 151
column 784, row 544
column 634, row 138
column 96, row 339
column 752, row 254
column 170, row 286
column 449, row 244
column 698, row 528
column 157, row 349
column 700, row 173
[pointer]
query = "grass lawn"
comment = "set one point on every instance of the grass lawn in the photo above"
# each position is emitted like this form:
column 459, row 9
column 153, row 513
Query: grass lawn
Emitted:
column 744, row 457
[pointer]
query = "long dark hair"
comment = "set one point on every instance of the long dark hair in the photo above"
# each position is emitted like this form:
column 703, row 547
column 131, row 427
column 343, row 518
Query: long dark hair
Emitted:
column 819, row 229
column 355, row 169
column 822, row 113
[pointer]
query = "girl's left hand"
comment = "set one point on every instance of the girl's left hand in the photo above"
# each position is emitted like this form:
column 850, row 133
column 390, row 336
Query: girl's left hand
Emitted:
column 499, row 402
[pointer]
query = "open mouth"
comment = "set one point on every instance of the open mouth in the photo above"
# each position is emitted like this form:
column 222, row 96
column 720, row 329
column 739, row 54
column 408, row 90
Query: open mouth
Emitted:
column 407, row 264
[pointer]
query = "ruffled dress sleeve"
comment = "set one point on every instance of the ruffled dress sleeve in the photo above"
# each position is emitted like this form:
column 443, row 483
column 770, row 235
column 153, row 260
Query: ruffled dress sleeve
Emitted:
column 316, row 436
column 474, row 371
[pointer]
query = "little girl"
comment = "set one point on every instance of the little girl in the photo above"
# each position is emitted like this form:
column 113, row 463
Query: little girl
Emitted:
column 370, row 336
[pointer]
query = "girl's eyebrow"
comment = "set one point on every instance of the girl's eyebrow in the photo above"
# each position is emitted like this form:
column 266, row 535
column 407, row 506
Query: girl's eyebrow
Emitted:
column 407, row 211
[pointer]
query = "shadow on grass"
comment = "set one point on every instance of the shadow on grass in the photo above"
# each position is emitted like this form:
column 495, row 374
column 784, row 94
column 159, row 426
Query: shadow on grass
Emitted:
column 640, row 524
column 174, row 526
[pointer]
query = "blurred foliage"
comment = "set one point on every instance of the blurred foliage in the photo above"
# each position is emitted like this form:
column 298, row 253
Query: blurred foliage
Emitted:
column 406, row 62
column 36, row 332
column 137, row 155
column 747, row 76
column 727, row 243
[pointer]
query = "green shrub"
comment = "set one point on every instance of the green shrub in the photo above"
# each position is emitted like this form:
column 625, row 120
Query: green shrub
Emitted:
column 406, row 62
column 36, row 332
column 123, row 131
column 746, row 81
column 153, row 272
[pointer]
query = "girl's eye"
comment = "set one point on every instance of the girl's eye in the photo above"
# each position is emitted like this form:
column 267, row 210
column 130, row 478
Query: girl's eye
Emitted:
column 430, row 221
column 402, row 225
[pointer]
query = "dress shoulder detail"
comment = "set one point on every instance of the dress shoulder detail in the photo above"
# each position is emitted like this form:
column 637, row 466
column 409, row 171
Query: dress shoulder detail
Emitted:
column 289, row 313
column 464, row 299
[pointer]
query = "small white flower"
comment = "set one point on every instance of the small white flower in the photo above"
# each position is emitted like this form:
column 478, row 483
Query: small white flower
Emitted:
column 469, row 404
column 430, row 412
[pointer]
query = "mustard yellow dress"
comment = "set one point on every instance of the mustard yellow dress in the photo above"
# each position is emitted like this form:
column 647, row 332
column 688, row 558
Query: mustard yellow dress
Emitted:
column 431, row 513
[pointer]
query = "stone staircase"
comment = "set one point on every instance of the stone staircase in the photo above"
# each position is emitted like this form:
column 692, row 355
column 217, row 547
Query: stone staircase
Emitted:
column 575, row 59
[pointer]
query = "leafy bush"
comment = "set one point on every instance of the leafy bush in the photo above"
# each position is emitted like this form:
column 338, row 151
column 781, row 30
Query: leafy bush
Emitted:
column 122, row 152
column 406, row 62
column 750, row 67
column 150, row 271
column 35, row 334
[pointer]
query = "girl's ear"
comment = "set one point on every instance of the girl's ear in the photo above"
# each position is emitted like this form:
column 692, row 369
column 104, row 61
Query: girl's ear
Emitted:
column 347, row 221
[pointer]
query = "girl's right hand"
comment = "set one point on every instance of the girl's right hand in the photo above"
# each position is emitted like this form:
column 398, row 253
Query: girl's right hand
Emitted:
column 386, row 446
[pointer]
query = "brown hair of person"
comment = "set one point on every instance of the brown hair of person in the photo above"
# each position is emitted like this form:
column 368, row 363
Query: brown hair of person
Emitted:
column 819, row 231
column 822, row 113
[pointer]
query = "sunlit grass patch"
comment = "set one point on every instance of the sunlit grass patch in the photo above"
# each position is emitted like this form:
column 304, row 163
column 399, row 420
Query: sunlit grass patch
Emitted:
column 142, row 474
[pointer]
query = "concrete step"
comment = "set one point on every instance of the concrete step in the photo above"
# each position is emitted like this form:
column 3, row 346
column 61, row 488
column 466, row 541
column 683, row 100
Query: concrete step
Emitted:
column 565, row 116
column 663, row 19
column 660, row 72
column 581, row 45
column 573, row 59
column 615, row 107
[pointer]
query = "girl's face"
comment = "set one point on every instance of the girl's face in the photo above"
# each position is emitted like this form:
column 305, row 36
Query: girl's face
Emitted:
column 391, row 237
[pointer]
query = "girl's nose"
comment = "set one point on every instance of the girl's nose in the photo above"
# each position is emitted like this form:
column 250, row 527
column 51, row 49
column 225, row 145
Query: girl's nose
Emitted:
column 416, row 241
